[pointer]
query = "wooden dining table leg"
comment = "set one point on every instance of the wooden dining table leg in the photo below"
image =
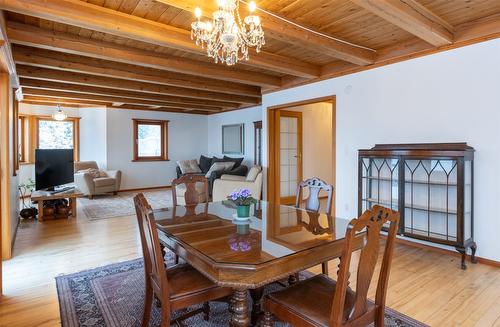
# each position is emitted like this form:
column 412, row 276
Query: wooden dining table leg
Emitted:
column 240, row 317
column 256, row 295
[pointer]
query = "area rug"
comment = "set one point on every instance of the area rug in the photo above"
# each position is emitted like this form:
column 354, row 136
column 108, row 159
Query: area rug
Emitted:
column 111, row 206
column 113, row 296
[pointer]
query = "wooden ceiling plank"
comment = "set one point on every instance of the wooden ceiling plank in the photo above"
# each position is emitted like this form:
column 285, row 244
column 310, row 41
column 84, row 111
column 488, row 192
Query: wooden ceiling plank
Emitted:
column 112, row 99
column 86, row 15
column 93, row 80
column 57, row 86
column 411, row 17
column 290, row 33
column 79, row 64
column 40, row 38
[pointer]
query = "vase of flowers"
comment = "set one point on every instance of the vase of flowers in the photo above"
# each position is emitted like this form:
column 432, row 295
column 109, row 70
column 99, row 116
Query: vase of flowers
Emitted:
column 242, row 199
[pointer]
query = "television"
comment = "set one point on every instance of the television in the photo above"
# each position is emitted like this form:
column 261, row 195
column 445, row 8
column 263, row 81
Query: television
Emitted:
column 53, row 167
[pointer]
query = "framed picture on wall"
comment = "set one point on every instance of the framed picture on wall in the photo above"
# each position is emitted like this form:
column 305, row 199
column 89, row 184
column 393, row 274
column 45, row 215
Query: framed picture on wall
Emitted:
column 233, row 139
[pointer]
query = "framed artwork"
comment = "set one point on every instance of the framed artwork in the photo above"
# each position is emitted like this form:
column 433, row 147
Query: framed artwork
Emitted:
column 233, row 139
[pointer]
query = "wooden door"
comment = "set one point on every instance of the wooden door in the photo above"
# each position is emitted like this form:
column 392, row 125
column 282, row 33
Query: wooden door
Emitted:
column 289, row 156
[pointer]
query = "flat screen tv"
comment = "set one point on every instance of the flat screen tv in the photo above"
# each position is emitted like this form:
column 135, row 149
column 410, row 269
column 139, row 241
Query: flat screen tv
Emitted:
column 53, row 167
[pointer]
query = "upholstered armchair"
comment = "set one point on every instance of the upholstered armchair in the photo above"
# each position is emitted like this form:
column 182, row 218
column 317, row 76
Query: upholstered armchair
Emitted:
column 91, row 181
column 228, row 183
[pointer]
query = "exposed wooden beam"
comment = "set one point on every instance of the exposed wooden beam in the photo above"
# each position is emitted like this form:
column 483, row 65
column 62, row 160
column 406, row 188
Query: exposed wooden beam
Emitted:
column 289, row 32
column 103, row 98
column 413, row 18
column 67, row 62
column 101, row 19
column 76, row 88
column 68, row 43
column 102, row 81
column 6, row 61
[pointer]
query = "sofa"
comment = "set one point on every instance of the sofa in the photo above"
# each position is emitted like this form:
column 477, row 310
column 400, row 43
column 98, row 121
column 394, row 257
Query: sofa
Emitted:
column 228, row 183
column 204, row 164
column 91, row 181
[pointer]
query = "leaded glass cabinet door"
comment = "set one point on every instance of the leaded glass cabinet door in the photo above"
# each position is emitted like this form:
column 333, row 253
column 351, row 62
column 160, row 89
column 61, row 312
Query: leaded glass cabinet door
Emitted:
column 431, row 203
column 379, row 182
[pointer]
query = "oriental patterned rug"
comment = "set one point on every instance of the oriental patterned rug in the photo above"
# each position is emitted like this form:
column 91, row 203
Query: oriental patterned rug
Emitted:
column 112, row 296
column 121, row 205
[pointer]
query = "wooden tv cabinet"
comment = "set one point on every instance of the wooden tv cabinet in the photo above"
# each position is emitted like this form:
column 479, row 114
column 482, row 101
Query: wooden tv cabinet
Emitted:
column 43, row 196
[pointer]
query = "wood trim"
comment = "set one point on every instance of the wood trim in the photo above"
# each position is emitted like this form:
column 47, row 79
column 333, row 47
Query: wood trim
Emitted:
column 15, row 134
column 23, row 121
column 5, row 162
column 485, row 261
column 164, row 139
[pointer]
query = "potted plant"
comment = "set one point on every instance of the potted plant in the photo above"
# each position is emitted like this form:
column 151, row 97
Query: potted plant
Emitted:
column 242, row 199
column 25, row 190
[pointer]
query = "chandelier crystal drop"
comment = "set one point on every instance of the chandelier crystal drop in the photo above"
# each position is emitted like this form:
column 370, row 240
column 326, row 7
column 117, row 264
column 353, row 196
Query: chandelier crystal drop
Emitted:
column 227, row 38
column 59, row 115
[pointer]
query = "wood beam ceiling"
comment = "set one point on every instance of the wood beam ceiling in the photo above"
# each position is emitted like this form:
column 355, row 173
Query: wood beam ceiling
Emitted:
column 68, row 43
column 86, row 15
column 413, row 18
column 113, row 100
column 109, row 82
column 56, row 60
column 289, row 32
column 85, row 89
column 6, row 60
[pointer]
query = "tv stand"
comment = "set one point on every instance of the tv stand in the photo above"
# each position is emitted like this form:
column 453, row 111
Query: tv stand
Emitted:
column 45, row 196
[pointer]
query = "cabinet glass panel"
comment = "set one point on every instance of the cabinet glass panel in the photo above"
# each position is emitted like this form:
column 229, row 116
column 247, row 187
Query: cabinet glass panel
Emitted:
column 380, row 182
column 467, row 200
column 431, row 198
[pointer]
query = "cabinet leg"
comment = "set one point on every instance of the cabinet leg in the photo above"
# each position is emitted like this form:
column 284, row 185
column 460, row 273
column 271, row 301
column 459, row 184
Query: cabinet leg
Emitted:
column 473, row 248
column 463, row 252
column 293, row 279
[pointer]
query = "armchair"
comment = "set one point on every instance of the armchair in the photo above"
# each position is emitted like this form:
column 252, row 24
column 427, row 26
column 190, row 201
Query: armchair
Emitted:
column 90, row 185
column 228, row 183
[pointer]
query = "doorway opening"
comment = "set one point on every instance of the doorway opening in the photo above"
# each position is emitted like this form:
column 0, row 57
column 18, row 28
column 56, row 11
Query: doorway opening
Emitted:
column 301, row 146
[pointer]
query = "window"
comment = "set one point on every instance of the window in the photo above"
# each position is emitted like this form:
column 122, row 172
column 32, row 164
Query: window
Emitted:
column 150, row 140
column 53, row 134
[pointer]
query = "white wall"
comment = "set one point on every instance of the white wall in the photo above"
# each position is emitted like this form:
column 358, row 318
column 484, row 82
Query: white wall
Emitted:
column 245, row 116
column 317, row 140
column 187, row 140
column 93, row 145
column 451, row 96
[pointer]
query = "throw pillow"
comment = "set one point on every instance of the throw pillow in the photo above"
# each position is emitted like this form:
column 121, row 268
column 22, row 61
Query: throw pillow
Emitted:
column 95, row 173
column 219, row 166
column 102, row 173
column 189, row 166
column 205, row 163
column 237, row 161
column 252, row 173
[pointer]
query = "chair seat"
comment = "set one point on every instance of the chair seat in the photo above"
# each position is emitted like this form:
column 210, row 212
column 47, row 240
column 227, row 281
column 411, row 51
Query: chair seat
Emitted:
column 186, row 282
column 312, row 299
column 104, row 181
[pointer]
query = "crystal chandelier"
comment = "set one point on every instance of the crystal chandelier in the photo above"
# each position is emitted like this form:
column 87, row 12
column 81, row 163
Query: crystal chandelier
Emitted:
column 59, row 115
column 228, row 38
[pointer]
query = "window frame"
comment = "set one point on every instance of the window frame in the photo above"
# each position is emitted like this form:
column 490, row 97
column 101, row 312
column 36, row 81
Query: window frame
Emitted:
column 22, row 121
column 257, row 152
column 164, row 140
column 76, row 133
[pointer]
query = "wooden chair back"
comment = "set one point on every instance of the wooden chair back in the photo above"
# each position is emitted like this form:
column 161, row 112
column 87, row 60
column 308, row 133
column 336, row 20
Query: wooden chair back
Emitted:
column 154, row 263
column 371, row 223
column 315, row 185
column 191, row 196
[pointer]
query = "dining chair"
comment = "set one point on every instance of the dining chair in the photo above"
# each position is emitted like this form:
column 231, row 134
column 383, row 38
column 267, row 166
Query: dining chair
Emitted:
column 175, row 288
column 193, row 188
column 321, row 301
column 313, row 203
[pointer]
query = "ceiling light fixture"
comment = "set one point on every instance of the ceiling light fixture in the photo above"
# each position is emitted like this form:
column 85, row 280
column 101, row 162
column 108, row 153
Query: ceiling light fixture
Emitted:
column 228, row 38
column 59, row 115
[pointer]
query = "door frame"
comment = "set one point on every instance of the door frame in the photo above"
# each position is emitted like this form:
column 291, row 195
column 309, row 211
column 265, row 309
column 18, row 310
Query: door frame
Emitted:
column 273, row 132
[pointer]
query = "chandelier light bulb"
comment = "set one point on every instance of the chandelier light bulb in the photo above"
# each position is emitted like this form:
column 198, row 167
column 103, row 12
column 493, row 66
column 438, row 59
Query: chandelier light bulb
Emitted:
column 221, row 3
column 197, row 12
column 252, row 6
column 59, row 115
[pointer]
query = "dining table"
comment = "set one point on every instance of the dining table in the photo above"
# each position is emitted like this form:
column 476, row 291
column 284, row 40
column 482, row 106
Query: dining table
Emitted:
column 273, row 244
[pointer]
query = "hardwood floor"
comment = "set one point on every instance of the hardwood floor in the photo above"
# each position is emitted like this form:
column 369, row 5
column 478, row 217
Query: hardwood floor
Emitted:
column 425, row 285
